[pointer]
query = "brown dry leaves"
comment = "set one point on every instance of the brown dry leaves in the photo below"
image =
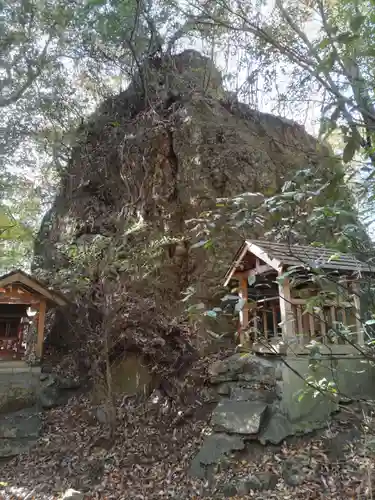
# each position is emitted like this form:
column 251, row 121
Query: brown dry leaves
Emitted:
column 154, row 445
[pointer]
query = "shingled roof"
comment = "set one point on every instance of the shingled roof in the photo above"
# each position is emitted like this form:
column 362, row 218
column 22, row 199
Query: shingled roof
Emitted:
column 19, row 277
column 279, row 255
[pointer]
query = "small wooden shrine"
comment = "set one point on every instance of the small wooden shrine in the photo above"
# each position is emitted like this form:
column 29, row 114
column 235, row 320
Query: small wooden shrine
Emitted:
column 292, row 294
column 23, row 305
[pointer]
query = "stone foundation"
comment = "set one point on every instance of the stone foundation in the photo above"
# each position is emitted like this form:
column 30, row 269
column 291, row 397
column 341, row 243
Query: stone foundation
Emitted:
column 20, row 421
column 266, row 398
column 19, row 386
column 24, row 392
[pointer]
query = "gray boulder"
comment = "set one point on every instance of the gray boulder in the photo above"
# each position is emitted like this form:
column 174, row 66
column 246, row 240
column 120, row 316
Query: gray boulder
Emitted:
column 238, row 417
column 21, row 424
column 68, row 383
column 248, row 367
column 12, row 447
column 247, row 394
column 55, row 389
column 48, row 379
column 214, row 449
column 277, row 429
column 19, row 431
column 49, row 397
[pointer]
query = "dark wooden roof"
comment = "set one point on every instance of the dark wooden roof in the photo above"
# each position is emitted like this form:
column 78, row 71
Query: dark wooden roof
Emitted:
column 282, row 255
column 312, row 256
column 33, row 285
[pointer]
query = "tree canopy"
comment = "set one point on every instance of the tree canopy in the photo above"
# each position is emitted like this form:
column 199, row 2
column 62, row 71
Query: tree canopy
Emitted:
column 61, row 58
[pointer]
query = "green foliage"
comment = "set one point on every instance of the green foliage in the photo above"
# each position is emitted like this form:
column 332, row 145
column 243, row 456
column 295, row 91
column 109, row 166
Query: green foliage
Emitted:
column 316, row 388
column 62, row 58
column 20, row 208
column 324, row 50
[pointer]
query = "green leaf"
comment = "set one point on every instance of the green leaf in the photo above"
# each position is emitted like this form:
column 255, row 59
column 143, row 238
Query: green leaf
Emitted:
column 349, row 150
column 6, row 220
column 96, row 2
column 346, row 37
column 324, row 43
column 200, row 244
column 336, row 256
column 356, row 22
column 327, row 63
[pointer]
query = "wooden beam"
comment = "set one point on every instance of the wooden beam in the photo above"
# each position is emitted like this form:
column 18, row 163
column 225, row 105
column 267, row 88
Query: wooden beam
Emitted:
column 358, row 321
column 232, row 270
column 19, row 301
column 19, row 295
column 265, row 325
column 274, row 320
column 311, row 326
column 299, row 320
column 261, row 269
column 344, row 320
column 244, row 313
column 41, row 323
column 255, row 323
column 21, row 278
column 323, row 328
column 332, row 310
column 240, row 275
column 268, row 299
column 287, row 319
column 252, row 272
column 328, row 303
column 262, row 255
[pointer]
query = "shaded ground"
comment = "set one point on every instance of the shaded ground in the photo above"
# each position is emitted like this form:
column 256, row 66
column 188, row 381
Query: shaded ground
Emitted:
column 153, row 450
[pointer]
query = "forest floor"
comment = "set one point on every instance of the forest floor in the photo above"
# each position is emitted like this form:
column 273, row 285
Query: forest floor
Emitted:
column 150, row 456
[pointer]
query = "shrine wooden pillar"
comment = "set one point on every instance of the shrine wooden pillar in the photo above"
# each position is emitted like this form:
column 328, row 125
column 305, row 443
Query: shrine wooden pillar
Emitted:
column 41, row 323
column 287, row 317
column 244, row 313
column 356, row 289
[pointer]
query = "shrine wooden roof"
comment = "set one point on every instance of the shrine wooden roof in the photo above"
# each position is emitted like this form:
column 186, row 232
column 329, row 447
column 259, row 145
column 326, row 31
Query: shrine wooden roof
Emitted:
column 34, row 286
column 283, row 255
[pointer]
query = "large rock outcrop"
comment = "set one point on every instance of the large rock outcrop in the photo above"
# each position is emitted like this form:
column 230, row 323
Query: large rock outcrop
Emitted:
column 156, row 157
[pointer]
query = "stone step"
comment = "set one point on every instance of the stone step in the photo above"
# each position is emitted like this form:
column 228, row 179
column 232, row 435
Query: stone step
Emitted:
column 22, row 424
column 12, row 447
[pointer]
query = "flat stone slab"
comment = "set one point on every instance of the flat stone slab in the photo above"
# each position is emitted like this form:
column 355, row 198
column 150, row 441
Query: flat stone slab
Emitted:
column 244, row 366
column 238, row 417
column 13, row 447
column 214, row 448
column 245, row 394
column 278, row 428
column 21, row 424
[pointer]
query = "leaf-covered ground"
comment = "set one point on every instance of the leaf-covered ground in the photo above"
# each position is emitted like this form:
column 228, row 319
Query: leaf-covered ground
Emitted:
column 150, row 456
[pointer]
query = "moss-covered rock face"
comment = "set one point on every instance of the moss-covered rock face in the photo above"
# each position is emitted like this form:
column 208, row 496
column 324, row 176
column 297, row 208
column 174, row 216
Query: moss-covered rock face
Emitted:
column 18, row 389
column 157, row 156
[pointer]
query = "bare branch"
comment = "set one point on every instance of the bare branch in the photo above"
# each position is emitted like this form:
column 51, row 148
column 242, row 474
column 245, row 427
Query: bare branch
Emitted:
column 32, row 75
